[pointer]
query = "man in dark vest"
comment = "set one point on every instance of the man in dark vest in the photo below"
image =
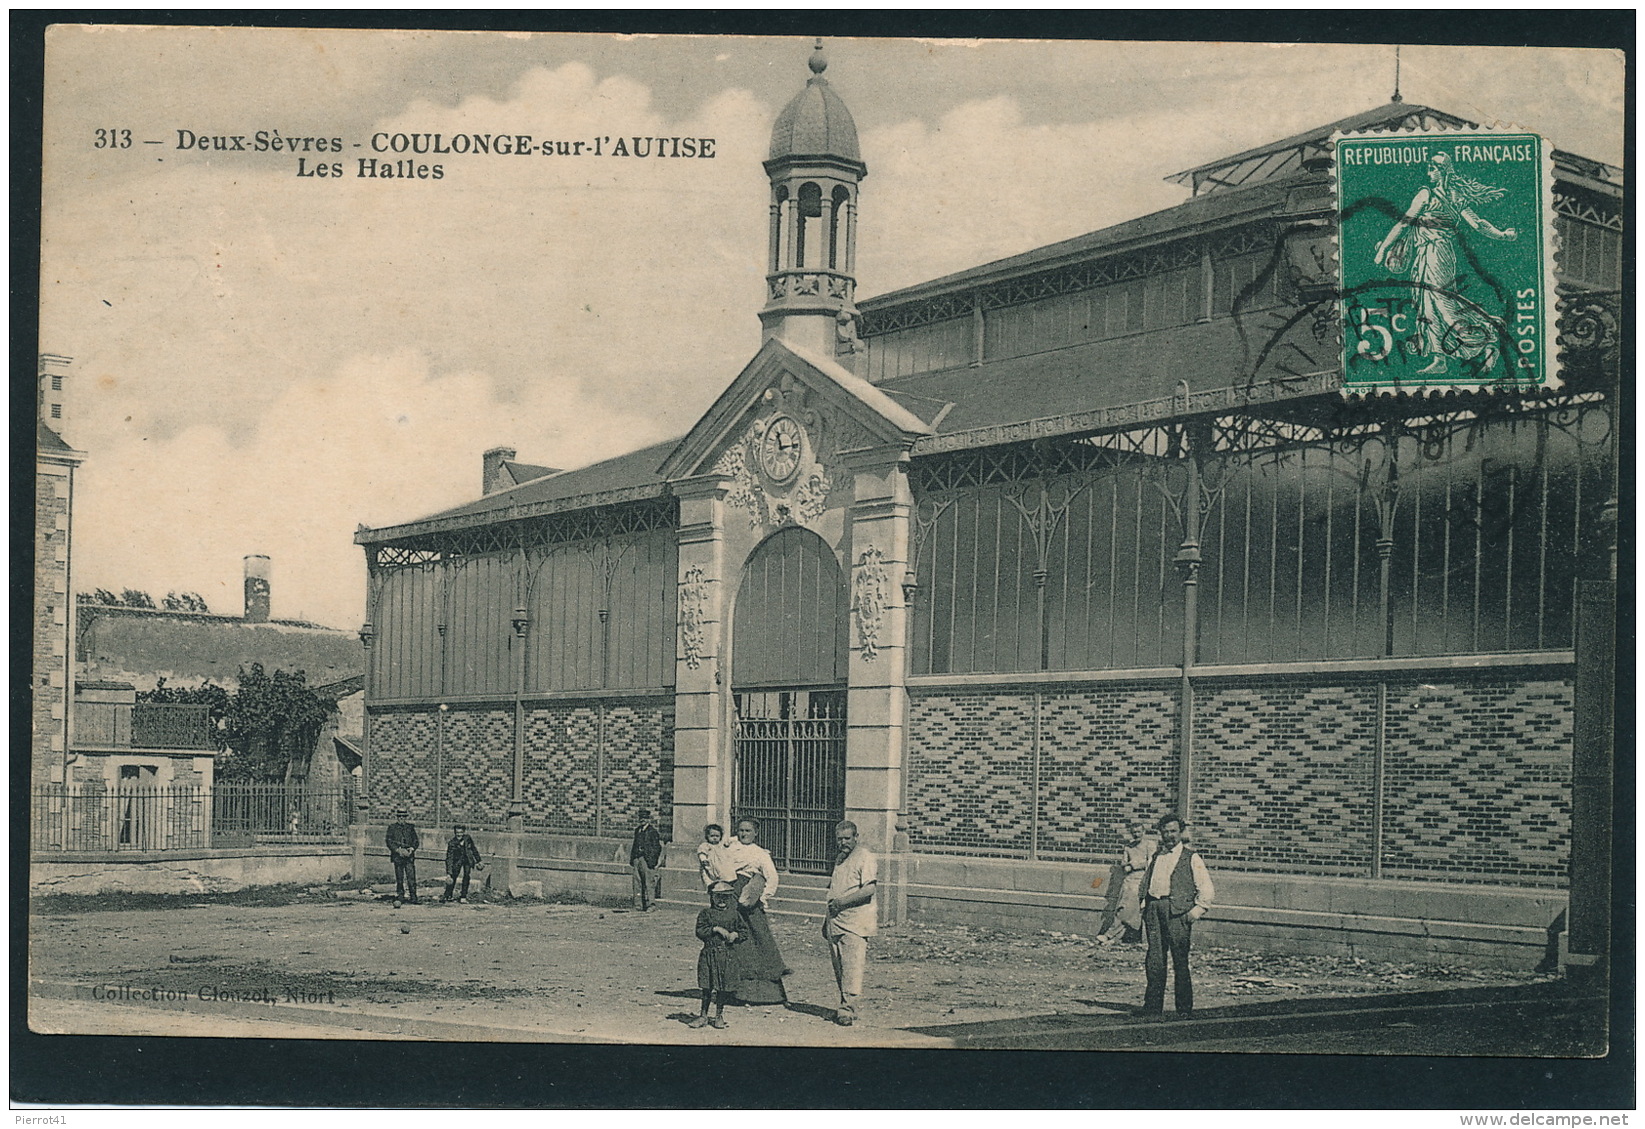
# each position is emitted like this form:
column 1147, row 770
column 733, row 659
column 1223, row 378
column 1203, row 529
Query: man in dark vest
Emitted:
column 1176, row 892
column 402, row 841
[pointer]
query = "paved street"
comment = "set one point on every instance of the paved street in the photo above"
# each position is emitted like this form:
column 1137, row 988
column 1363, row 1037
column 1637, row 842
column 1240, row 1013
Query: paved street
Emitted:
column 335, row 964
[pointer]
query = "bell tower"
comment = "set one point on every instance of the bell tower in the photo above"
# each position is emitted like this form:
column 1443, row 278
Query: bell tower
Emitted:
column 815, row 168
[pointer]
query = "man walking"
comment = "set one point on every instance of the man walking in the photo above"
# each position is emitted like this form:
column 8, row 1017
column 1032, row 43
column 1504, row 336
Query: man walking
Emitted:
column 402, row 844
column 644, row 855
column 851, row 916
column 1177, row 892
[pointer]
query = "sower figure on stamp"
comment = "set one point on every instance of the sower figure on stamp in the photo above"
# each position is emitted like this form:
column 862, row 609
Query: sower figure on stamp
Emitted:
column 402, row 842
column 462, row 858
column 851, row 916
column 1177, row 892
column 644, row 855
column 1424, row 240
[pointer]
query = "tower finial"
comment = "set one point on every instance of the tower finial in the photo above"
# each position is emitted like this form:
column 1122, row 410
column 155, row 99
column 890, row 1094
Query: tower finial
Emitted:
column 1397, row 98
column 819, row 62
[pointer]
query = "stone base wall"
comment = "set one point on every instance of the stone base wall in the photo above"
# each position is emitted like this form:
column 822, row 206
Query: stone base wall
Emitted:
column 185, row 872
column 1382, row 920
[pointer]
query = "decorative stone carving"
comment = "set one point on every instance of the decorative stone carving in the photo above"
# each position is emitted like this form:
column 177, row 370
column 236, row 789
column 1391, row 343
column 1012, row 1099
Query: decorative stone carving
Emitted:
column 811, row 284
column 868, row 593
column 693, row 609
column 768, row 501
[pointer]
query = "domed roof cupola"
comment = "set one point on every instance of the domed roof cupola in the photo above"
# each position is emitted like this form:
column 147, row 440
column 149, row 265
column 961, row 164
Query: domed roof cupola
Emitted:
column 815, row 123
column 815, row 168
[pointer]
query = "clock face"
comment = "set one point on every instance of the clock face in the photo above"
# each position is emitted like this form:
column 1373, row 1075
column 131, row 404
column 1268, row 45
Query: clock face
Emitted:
column 780, row 448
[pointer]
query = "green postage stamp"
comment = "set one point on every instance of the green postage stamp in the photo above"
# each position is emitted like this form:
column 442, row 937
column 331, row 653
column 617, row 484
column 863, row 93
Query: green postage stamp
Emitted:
column 1445, row 262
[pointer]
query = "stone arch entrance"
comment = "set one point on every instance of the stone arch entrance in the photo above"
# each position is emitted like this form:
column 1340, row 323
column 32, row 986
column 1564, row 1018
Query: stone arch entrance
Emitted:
column 788, row 675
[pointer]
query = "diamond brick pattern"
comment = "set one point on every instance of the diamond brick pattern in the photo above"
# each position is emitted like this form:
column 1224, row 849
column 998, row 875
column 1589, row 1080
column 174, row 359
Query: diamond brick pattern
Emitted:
column 1478, row 781
column 1106, row 756
column 633, row 760
column 560, row 758
column 564, row 751
column 478, row 771
column 1476, row 774
column 970, row 759
column 1284, row 776
column 402, row 762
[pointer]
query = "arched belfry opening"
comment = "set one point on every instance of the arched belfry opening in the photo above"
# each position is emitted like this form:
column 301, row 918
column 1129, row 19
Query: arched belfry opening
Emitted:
column 815, row 167
column 788, row 674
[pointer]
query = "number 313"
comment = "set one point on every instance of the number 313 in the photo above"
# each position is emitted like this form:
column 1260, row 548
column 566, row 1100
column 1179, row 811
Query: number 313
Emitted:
column 112, row 139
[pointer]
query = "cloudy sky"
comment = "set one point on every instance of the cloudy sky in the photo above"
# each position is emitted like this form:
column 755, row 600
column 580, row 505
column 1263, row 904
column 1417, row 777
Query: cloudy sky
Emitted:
column 262, row 361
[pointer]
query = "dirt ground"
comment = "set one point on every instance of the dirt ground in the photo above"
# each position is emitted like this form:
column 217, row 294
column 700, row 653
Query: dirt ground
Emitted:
column 548, row 970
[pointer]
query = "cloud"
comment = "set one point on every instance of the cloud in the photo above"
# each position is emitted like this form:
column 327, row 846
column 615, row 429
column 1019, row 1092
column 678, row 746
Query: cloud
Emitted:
column 381, row 440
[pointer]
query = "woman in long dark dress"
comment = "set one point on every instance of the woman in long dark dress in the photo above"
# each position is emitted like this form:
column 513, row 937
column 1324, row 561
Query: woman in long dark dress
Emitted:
column 760, row 961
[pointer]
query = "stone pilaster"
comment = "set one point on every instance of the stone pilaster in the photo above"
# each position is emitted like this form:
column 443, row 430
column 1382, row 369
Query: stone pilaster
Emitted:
column 876, row 709
column 701, row 755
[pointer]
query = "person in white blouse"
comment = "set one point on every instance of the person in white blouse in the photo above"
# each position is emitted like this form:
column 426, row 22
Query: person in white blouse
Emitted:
column 761, row 961
column 1176, row 892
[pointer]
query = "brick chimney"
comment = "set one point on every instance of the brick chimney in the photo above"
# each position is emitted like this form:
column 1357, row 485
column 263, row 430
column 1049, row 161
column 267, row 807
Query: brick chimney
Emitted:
column 492, row 475
column 257, row 577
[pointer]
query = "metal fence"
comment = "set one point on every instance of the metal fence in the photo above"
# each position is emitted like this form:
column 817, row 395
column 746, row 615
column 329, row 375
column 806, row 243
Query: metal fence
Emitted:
column 99, row 818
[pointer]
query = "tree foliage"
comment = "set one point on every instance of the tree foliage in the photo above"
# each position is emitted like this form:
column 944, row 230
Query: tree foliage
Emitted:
column 212, row 695
column 134, row 598
column 268, row 720
column 271, row 719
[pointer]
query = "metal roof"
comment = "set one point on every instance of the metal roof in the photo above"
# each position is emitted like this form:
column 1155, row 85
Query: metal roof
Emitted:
column 630, row 477
column 1280, row 158
column 1200, row 213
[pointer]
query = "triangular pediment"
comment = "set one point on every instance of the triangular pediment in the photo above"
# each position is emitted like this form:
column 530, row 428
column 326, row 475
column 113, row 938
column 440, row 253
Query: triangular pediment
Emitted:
column 837, row 410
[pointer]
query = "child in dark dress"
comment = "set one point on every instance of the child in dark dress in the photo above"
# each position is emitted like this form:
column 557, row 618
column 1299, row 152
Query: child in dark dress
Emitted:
column 719, row 928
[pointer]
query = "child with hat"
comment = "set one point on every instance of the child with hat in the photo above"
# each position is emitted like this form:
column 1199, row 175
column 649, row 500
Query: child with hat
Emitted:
column 720, row 929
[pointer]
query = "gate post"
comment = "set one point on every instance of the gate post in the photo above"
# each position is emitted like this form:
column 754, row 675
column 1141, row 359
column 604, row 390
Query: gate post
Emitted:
column 877, row 554
column 699, row 676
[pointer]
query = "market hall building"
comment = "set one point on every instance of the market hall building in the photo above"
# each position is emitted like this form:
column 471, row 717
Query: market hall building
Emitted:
column 994, row 564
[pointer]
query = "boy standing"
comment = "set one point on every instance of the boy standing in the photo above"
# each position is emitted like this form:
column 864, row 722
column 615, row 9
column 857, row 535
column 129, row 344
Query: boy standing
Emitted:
column 644, row 855
column 461, row 856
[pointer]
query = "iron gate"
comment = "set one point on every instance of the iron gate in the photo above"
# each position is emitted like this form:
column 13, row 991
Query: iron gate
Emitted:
column 790, row 772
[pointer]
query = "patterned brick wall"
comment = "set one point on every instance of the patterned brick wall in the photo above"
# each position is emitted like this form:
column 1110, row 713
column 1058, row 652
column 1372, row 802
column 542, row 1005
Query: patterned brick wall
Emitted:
column 478, row 765
column 564, row 749
column 1283, row 776
column 1478, row 780
column 402, row 762
column 1476, row 776
column 560, row 759
column 637, row 746
column 970, row 758
column 1105, row 755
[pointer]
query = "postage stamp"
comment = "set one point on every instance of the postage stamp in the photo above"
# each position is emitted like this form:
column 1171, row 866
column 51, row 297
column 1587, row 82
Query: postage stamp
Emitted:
column 1445, row 260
